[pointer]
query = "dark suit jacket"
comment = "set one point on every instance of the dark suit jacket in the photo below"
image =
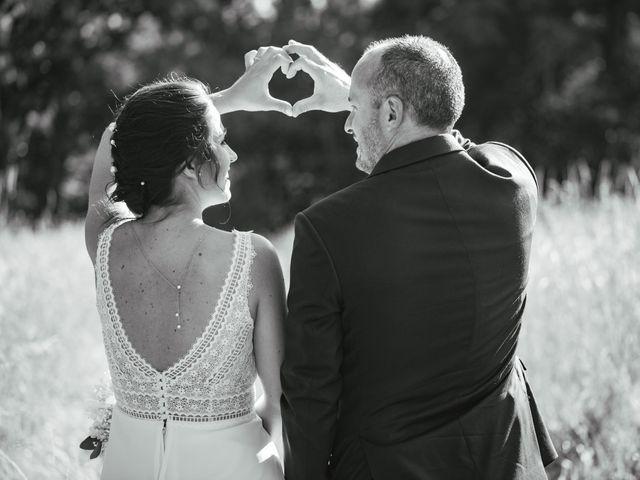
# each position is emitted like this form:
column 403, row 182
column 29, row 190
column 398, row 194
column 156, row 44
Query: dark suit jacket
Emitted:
column 407, row 292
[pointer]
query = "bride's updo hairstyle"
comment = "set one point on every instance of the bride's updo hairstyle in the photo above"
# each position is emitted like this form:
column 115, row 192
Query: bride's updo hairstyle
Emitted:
column 160, row 129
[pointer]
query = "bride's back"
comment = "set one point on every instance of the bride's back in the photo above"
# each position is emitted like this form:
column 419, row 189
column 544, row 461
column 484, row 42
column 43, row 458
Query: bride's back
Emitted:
column 166, row 283
column 159, row 373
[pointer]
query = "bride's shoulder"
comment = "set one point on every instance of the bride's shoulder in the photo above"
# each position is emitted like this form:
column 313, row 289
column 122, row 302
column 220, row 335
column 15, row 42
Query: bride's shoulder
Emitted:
column 266, row 261
column 262, row 253
column 262, row 247
column 266, row 276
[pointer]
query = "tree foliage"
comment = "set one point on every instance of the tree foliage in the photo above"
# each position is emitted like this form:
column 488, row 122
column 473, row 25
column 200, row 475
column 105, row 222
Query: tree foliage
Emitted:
column 556, row 79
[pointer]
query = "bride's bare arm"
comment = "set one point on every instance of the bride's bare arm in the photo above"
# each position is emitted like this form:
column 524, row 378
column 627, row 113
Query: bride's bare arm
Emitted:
column 98, row 213
column 268, row 308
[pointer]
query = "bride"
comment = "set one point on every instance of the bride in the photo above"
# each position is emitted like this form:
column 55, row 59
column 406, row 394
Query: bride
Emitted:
column 190, row 314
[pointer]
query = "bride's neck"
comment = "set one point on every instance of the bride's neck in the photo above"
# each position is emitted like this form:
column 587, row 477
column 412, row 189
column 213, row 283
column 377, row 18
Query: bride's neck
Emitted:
column 178, row 214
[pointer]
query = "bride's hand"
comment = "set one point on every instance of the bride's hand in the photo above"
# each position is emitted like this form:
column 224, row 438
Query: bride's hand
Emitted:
column 251, row 91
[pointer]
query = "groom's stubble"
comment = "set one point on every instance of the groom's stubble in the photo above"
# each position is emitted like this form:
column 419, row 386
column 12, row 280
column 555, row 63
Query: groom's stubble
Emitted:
column 371, row 147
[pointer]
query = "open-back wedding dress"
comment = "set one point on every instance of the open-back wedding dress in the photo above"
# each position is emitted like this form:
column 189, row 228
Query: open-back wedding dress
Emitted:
column 196, row 419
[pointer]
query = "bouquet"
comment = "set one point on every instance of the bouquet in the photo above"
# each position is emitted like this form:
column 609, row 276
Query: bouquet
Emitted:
column 101, row 412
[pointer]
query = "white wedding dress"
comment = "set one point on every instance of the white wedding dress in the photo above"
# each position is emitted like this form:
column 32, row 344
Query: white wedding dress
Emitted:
column 195, row 420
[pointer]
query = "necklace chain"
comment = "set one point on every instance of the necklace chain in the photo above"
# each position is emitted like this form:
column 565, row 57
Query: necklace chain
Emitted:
column 177, row 286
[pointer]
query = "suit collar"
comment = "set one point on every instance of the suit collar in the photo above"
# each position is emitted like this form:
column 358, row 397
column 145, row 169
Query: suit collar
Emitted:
column 417, row 151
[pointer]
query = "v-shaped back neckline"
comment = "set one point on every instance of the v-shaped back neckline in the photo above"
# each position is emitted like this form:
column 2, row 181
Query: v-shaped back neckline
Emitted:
column 199, row 344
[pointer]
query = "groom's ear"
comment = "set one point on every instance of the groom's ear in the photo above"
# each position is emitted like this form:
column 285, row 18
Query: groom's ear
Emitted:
column 392, row 112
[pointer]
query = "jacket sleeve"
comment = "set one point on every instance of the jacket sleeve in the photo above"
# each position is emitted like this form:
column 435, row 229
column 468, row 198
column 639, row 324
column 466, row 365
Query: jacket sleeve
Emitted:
column 311, row 380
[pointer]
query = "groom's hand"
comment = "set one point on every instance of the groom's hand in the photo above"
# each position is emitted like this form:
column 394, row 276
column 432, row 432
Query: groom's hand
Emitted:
column 251, row 91
column 464, row 142
column 331, row 83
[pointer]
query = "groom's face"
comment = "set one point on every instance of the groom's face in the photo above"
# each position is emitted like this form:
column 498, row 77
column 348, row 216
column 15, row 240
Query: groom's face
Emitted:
column 363, row 122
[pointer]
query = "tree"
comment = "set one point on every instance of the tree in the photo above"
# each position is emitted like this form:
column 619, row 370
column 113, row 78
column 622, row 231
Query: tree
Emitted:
column 554, row 79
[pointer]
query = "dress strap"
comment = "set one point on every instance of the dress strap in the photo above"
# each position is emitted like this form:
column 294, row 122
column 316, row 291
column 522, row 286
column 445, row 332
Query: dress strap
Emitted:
column 104, row 239
column 247, row 253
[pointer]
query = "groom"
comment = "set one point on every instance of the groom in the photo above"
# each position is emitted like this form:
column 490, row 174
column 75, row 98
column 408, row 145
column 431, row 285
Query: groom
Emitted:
column 408, row 287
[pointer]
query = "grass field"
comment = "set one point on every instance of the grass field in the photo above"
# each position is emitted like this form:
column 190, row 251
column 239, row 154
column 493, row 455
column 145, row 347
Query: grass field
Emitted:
column 580, row 342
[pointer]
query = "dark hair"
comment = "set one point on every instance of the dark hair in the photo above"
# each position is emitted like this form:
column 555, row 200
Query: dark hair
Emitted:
column 160, row 129
column 424, row 74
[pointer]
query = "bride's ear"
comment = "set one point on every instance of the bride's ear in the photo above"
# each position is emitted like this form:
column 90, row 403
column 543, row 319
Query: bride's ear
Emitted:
column 189, row 172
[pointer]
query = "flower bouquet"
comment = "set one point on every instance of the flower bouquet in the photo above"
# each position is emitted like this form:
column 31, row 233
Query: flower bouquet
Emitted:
column 101, row 412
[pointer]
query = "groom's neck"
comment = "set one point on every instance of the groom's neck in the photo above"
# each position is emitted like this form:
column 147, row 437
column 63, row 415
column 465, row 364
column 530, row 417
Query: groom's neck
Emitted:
column 413, row 133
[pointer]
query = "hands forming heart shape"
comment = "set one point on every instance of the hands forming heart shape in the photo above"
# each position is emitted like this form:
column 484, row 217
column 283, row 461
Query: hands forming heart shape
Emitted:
column 331, row 83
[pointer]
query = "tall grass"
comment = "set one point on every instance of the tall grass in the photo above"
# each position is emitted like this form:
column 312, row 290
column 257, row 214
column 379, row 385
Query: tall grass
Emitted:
column 580, row 342
column 50, row 352
column 581, row 335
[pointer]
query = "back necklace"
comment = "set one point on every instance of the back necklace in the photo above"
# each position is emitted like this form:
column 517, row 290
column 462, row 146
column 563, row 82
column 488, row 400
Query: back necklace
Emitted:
column 178, row 286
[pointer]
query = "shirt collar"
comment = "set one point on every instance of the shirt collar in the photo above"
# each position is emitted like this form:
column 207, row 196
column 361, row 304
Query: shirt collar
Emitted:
column 416, row 152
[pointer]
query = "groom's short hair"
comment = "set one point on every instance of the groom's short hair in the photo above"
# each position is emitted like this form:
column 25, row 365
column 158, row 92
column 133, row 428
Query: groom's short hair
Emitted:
column 424, row 74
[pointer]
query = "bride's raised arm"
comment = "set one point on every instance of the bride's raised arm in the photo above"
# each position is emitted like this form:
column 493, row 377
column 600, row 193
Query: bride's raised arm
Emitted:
column 251, row 91
column 98, row 212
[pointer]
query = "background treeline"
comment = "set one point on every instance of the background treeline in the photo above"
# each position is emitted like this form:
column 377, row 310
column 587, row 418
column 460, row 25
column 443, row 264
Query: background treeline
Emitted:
column 558, row 79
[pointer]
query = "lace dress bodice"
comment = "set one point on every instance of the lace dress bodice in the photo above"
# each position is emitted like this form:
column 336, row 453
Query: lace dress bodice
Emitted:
column 214, row 380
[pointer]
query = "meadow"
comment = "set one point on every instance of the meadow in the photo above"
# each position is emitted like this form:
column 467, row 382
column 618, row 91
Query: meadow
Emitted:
column 580, row 341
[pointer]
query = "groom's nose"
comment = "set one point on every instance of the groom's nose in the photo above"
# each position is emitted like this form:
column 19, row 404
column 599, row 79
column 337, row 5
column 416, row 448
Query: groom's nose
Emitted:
column 348, row 124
